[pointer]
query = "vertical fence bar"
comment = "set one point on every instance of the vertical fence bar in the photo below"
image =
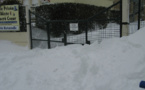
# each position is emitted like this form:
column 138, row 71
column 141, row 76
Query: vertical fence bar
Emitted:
column 31, row 44
column 48, row 35
column 139, row 13
column 86, row 32
column 65, row 38
column 121, row 18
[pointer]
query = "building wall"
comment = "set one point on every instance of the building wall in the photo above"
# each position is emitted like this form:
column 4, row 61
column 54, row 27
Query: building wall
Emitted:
column 20, row 38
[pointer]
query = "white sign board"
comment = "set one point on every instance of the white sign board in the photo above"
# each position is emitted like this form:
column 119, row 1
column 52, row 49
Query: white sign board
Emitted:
column 9, row 18
column 73, row 26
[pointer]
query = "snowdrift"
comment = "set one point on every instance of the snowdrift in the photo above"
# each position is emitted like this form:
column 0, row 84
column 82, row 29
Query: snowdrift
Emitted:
column 115, row 64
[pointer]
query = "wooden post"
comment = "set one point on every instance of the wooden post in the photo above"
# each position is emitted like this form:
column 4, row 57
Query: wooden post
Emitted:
column 125, row 17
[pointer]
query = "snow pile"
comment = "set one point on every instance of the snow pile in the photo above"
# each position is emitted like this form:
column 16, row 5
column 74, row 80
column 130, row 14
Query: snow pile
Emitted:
column 9, row 47
column 115, row 64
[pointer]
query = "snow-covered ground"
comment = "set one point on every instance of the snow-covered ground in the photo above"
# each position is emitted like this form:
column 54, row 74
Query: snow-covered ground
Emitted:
column 114, row 64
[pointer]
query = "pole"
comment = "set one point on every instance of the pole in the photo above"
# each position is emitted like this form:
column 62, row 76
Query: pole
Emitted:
column 125, row 17
column 86, row 31
column 48, row 35
column 120, row 18
column 28, row 22
column 139, row 13
column 65, row 38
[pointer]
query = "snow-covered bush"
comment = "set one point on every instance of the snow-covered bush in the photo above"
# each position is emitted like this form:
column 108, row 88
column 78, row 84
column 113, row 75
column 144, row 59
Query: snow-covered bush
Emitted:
column 69, row 11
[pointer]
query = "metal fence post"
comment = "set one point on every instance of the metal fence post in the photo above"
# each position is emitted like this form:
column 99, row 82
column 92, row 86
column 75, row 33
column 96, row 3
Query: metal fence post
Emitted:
column 30, row 30
column 120, row 18
column 86, row 31
column 65, row 34
column 65, row 38
column 139, row 13
column 48, row 35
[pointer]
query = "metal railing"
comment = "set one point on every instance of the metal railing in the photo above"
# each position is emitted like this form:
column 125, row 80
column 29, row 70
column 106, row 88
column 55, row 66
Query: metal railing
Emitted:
column 136, row 15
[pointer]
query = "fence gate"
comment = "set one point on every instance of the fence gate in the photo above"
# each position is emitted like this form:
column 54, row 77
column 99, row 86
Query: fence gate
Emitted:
column 41, row 33
column 38, row 34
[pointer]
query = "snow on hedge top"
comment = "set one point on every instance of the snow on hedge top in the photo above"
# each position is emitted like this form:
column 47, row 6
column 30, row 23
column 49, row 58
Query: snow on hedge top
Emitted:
column 115, row 64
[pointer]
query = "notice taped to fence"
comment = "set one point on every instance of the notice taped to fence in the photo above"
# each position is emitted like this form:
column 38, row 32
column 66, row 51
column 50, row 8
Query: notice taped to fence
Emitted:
column 9, row 18
column 73, row 26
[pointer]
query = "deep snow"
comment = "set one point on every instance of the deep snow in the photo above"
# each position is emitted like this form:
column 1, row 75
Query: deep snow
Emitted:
column 114, row 64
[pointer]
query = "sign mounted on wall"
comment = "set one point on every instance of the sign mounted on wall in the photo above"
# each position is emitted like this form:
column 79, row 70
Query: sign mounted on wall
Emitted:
column 9, row 18
column 73, row 26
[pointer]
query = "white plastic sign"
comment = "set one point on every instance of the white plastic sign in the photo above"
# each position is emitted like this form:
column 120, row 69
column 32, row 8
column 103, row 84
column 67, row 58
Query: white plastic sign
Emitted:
column 73, row 26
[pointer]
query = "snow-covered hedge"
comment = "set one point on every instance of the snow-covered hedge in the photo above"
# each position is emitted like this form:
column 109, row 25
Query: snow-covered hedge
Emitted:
column 69, row 11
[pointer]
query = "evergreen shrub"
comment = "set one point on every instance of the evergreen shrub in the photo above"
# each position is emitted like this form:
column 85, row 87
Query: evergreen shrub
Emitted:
column 69, row 11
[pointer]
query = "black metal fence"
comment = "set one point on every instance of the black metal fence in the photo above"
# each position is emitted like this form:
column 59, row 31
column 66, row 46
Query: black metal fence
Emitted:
column 137, row 15
column 105, row 28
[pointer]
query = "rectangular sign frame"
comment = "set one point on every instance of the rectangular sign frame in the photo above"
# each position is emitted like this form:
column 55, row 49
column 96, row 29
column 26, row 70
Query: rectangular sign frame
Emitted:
column 73, row 26
column 9, row 18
